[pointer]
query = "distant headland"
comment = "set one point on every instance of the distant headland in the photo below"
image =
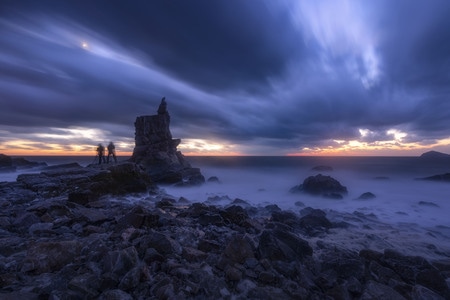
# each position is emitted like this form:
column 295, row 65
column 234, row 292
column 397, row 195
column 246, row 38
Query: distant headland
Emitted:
column 434, row 154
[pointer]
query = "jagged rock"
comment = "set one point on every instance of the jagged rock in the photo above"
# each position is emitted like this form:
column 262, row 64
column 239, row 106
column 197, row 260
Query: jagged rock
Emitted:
column 321, row 185
column 239, row 249
column 283, row 245
column 149, row 248
column 115, row 295
column 45, row 257
column 375, row 290
column 157, row 152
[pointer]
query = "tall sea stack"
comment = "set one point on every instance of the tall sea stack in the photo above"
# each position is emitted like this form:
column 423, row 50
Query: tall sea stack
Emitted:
column 156, row 150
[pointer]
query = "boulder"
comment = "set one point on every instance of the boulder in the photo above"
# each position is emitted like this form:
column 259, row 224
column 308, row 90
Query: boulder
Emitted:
column 283, row 245
column 157, row 152
column 366, row 196
column 43, row 257
column 321, row 185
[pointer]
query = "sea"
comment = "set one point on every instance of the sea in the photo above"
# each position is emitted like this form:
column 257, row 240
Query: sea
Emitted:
column 401, row 197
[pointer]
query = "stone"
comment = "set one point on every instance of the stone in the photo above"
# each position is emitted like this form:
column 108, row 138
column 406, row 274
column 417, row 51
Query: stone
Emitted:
column 236, row 215
column 320, row 185
column 420, row 292
column 138, row 217
column 131, row 279
column 282, row 245
column 375, row 290
column 239, row 249
column 214, row 179
column 115, row 295
column 50, row 256
column 366, row 196
column 120, row 262
column 160, row 242
column 157, row 152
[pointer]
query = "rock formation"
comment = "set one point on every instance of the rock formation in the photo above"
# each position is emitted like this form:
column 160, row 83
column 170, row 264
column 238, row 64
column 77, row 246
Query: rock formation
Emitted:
column 157, row 152
column 325, row 186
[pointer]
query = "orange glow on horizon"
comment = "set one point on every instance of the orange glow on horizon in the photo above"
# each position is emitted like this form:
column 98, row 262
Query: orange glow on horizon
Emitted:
column 32, row 152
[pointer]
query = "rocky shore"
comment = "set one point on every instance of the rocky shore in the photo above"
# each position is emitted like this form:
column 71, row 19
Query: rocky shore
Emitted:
column 108, row 232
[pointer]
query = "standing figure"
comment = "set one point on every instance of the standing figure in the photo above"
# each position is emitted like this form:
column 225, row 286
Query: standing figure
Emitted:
column 101, row 153
column 111, row 151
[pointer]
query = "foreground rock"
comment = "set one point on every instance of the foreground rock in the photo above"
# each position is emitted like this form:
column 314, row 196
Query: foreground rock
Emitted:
column 81, row 184
column 320, row 185
column 157, row 152
column 155, row 248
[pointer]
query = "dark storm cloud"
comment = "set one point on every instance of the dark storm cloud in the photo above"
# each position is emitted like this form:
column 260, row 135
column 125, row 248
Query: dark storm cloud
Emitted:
column 214, row 44
column 260, row 74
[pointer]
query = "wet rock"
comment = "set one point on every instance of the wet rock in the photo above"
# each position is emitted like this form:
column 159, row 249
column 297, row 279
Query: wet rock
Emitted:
column 321, row 185
column 211, row 219
column 160, row 242
column 237, row 215
column 50, row 256
column 426, row 203
column 119, row 262
column 239, row 249
column 214, row 179
column 375, row 290
column 282, row 245
column 138, row 217
column 366, row 196
column 115, row 295
column 421, row 292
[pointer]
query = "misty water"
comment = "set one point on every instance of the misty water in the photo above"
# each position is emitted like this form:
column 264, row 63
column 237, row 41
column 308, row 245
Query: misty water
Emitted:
column 417, row 210
column 400, row 197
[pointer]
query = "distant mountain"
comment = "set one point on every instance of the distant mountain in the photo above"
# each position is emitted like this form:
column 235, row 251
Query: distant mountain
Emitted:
column 434, row 154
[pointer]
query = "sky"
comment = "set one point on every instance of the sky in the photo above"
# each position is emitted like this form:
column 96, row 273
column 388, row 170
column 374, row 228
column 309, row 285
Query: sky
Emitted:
column 258, row 77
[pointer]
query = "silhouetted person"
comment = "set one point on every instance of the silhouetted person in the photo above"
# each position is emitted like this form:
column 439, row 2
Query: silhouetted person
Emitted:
column 101, row 153
column 111, row 151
